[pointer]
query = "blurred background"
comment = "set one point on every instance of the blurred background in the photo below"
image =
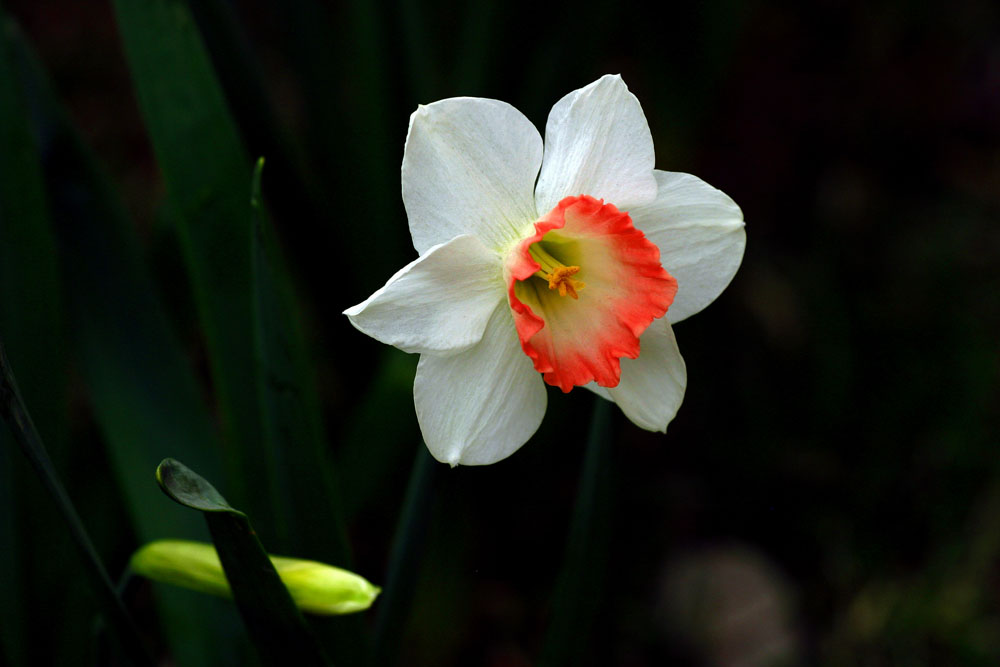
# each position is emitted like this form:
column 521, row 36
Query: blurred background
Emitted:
column 829, row 492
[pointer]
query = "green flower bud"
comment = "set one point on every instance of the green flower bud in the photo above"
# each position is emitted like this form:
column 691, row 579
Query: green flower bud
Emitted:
column 317, row 588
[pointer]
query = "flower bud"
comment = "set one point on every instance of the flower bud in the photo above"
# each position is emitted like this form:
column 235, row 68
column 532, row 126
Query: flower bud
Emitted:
column 317, row 588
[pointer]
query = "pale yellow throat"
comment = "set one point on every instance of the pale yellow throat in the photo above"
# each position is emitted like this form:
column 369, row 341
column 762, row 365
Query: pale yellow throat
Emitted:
column 558, row 275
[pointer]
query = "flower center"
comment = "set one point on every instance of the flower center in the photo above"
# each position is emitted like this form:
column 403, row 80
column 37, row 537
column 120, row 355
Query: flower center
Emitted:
column 555, row 272
column 576, row 341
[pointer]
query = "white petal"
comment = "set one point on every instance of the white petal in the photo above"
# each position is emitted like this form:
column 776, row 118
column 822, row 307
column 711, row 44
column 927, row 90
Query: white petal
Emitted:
column 439, row 303
column 652, row 385
column 597, row 143
column 469, row 167
column 700, row 233
column 480, row 406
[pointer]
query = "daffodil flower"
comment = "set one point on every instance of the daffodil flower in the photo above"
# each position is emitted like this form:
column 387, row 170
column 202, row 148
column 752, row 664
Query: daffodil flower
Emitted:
column 564, row 265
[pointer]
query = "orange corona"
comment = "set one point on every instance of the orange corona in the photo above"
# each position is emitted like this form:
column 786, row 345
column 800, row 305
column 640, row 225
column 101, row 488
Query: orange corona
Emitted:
column 585, row 242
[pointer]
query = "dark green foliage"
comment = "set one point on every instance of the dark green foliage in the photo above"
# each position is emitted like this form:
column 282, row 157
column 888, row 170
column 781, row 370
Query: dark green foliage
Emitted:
column 14, row 413
column 404, row 561
column 31, row 327
column 206, row 171
column 297, row 463
column 839, row 433
column 578, row 592
column 144, row 394
column 289, row 406
column 274, row 623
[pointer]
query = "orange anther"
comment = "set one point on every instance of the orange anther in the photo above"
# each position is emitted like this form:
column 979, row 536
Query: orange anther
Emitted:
column 560, row 279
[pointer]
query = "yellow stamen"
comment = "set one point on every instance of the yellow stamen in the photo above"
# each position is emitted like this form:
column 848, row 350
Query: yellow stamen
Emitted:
column 560, row 280
column 555, row 272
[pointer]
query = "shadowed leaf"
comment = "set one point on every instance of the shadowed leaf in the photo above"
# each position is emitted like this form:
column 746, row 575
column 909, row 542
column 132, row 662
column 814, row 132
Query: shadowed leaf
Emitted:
column 290, row 407
column 31, row 326
column 141, row 387
column 189, row 489
column 206, row 170
column 272, row 619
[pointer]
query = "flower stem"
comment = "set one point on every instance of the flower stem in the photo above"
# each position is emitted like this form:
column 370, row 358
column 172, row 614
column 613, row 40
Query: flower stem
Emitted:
column 404, row 560
column 578, row 591
column 14, row 412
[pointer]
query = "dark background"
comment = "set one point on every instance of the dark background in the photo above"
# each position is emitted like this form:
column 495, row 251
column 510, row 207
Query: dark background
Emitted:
column 829, row 492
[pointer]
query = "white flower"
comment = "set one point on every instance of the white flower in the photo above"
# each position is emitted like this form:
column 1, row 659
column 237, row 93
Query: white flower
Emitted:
column 521, row 280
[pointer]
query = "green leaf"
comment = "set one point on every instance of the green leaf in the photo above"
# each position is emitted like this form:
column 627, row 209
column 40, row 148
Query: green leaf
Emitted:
column 141, row 386
column 30, row 301
column 185, row 487
column 298, row 195
column 290, row 406
column 205, row 169
column 272, row 619
column 297, row 461
column 31, row 326
column 15, row 413
column 316, row 588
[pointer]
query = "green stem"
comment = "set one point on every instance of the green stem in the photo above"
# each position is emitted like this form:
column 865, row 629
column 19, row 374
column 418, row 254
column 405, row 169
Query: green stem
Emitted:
column 578, row 591
column 404, row 560
column 14, row 412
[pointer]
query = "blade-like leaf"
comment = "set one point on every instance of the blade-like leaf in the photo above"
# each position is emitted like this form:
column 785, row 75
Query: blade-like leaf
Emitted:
column 142, row 389
column 185, row 487
column 30, row 324
column 15, row 413
column 272, row 619
column 206, row 170
column 289, row 406
column 30, row 302
column 297, row 458
column 309, row 219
